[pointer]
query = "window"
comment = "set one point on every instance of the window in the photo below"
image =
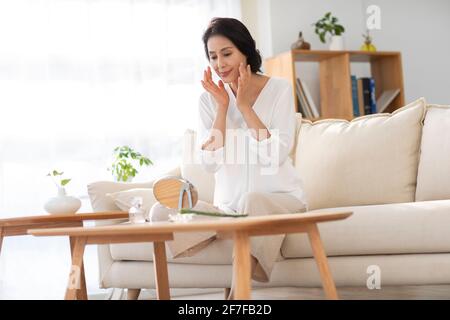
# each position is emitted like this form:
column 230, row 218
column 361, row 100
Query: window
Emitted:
column 80, row 77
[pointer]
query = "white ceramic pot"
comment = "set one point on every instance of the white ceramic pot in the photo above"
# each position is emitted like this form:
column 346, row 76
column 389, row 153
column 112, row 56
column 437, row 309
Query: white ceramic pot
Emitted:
column 337, row 43
column 62, row 203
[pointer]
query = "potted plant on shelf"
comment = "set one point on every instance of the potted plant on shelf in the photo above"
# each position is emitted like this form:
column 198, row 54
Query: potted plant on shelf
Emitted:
column 123, row 167
column 329, row 25
column 62, row 203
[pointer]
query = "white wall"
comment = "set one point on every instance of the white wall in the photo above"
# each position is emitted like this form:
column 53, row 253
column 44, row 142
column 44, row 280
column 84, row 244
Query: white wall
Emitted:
column 419, row 29
column 256, row 15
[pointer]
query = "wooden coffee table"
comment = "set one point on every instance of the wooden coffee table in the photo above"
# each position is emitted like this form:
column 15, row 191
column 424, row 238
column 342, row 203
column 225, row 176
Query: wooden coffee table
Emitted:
column 240, row 229
column 20, row 225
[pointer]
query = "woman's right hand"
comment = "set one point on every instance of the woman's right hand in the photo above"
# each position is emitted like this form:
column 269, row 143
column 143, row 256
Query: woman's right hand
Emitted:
column 217, row 91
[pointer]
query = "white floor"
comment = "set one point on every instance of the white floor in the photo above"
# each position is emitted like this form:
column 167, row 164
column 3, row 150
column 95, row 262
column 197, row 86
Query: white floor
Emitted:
column 38, row 268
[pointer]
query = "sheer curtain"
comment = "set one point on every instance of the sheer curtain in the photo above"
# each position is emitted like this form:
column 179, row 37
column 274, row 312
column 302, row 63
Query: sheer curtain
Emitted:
column 78, row 78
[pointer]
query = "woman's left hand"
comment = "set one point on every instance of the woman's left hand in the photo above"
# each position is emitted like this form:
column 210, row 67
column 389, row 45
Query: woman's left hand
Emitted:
column 243, row 99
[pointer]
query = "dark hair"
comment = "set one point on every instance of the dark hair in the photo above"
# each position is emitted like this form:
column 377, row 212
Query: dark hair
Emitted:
column 237, row 33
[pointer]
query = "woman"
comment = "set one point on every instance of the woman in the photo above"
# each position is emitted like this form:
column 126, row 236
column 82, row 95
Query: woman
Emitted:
column 255, row 175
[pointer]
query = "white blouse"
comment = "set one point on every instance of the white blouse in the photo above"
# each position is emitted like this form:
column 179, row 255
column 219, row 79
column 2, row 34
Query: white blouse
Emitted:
column 245, row 164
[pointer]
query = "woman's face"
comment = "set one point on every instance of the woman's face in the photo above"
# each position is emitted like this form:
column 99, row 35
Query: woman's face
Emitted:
column 225, row 58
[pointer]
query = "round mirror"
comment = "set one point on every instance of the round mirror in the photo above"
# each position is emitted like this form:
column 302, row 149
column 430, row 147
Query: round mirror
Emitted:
column 175, row 193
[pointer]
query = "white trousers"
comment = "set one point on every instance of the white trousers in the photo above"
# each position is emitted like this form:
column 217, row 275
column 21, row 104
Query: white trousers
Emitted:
column 264, row 248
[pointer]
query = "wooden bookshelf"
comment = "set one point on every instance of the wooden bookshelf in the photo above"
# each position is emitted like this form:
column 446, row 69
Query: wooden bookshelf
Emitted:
column 335, row 76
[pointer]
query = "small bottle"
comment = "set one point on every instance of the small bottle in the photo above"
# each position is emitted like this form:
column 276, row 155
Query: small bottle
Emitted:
column 136, row 213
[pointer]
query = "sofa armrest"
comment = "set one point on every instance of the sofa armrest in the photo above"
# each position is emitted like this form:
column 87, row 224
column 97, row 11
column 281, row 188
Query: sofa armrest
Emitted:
column 97, row 192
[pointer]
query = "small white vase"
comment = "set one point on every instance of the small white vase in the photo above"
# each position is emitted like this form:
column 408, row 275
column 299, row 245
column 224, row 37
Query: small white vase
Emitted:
column 337, row 43
column 62, row 203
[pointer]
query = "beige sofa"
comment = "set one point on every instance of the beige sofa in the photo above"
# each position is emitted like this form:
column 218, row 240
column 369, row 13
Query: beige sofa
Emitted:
column 391, row 170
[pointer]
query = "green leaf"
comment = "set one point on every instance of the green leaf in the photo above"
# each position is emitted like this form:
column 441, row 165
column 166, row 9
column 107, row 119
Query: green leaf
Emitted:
column 322, row 37
column 125, row 159
column 339, row 30
column 65, row 181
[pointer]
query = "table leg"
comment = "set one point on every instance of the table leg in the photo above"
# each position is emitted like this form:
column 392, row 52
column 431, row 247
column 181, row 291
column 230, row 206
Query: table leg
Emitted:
column 133, row 294
column 161, row 273
column 76, row 276
column 82, row 292
column 242, row 266
column 226, row 293
column 322, row 262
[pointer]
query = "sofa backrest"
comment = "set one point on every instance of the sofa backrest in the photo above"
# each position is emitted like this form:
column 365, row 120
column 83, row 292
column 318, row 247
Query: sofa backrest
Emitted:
column 370, row 160
column 192, row 170
column 433, row 178
column 98, row 193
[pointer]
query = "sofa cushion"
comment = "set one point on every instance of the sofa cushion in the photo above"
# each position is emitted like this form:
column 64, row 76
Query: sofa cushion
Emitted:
column 192, row 170
column 433, row 178
column 400, row 228
column 218, row 252
column 370, row 160
column 298, row 117
column 98, row 193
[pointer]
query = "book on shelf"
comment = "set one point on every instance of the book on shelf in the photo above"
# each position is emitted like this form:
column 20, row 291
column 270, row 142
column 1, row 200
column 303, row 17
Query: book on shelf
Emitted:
column 302, row 101
column 299, row 104
column 309, row 100
column 368, row 93
column 355, row 96
column 373, row 101
column 305, row 100
column 386, row 98
column 360, row 97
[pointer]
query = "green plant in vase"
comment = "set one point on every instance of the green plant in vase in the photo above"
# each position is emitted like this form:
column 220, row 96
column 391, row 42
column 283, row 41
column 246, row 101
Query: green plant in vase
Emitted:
column 126, row 160
column 328, row 24
column 57, row 178
column 62, row 203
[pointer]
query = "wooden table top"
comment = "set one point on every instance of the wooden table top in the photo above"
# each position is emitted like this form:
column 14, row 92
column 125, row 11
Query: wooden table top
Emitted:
column 53, row 218
column 218, row 224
